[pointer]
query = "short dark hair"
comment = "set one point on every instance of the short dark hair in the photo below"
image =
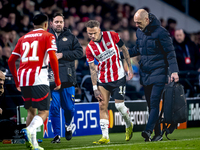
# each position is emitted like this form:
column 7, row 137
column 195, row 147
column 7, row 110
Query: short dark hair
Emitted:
column 92, row 24
column 39, row 19
column 57, row 14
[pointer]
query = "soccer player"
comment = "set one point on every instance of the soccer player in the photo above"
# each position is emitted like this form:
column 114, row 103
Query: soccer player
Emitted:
column 110, row 79
column 34, row 49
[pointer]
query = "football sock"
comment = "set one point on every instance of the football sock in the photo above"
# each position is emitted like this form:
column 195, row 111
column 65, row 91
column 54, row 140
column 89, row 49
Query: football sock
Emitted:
column 34, row 139
column 124, row 112
column 104, row 128
column 35, row 123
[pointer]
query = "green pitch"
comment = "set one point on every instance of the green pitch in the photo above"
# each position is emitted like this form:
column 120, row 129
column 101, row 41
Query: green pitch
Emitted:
column 185, row 139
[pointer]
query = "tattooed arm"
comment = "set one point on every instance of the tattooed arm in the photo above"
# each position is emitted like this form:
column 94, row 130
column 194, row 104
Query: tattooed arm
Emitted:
column 93, row 73
column 128, row 61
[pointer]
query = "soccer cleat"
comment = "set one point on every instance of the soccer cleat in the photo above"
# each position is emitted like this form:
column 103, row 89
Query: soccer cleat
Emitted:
column 56, row 139
column 102, row 141
column 129, row 132
column 147, row 136
column 68, row 132
column 157, row 138
column 37, row 148
column 27, row 137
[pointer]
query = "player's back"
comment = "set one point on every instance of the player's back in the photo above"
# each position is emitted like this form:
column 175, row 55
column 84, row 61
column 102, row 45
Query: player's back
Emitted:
column 32, row 48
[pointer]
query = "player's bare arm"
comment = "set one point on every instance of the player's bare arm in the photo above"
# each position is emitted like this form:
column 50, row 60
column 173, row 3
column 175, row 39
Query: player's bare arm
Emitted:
column 93, row 73
column 128, row 61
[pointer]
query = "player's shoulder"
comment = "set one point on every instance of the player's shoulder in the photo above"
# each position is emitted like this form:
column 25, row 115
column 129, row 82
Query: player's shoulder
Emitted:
column 110, row 31
column 91, row 43
column 48, row 33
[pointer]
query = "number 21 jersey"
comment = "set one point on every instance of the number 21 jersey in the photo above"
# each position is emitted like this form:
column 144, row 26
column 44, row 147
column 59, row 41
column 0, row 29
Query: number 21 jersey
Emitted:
column 33, row 49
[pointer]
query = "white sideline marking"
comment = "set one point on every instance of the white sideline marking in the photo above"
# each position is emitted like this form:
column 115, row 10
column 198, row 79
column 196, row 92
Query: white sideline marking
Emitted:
column 109, row 145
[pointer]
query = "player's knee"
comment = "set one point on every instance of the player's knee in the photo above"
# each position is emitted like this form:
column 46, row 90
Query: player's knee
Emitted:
column 102, row 107
column 69, row 109
column 54, row 111
column 154, row 102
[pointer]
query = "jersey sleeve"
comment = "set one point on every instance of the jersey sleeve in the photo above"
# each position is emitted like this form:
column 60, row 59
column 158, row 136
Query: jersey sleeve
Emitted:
column 16, row 51
column 51, row 42
column 89, row 56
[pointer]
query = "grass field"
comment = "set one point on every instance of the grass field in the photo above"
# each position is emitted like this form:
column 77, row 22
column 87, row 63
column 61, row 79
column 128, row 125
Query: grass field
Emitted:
column 185, row 139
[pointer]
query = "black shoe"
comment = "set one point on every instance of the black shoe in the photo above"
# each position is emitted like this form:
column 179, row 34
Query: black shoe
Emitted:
column 68, row 133
column 147, row 136
column 56, row 139
column 157, row 138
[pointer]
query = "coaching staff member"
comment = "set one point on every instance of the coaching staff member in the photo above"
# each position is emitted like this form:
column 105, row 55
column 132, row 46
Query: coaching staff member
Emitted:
column 69, row 49
column 157, row 54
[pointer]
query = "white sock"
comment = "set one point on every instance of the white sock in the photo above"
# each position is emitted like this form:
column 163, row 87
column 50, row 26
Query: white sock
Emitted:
column 34, row 138
column 124, row 112
column 104, row 128
column 35, row 123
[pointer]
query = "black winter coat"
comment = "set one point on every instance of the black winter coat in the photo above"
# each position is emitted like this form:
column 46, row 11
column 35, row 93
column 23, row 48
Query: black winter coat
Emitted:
column 181, row 53
column 69, row 46
column 157, row 53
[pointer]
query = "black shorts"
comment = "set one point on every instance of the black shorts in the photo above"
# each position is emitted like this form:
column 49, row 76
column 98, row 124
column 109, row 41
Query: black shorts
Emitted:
column 36, row 96
column 116, row 88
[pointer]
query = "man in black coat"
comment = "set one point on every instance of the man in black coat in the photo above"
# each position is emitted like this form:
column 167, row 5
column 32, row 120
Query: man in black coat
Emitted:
column 69, row 49
column 188, row 58
column 157, row 54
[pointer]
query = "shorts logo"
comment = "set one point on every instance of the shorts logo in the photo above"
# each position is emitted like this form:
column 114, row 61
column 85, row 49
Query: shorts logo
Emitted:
column 64, row 39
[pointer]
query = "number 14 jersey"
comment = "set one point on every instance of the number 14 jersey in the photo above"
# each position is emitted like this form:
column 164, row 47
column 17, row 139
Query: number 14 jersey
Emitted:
column 33, row 49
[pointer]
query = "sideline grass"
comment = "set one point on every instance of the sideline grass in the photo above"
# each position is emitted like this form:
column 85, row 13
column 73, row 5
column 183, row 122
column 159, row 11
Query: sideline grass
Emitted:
column 186, row 139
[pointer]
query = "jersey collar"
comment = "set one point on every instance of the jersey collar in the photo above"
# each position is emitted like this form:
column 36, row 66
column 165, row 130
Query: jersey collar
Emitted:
column 38, row 29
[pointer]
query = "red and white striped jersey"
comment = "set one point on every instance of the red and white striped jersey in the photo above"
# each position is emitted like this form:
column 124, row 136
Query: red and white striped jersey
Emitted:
column 107, row 53
column 33, row 49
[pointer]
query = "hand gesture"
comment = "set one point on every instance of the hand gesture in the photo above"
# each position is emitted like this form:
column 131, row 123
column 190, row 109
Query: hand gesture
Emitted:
column 130, row 73
column 19, row 89
column 98, row 95
column 57, row 87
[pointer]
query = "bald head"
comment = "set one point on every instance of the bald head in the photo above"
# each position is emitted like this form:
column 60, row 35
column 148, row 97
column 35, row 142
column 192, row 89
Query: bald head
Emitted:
column 179, row 35
column 141, row 18
column 141, row 13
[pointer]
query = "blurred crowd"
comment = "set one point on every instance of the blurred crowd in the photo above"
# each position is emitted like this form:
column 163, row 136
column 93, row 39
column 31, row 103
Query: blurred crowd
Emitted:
column 16, row 17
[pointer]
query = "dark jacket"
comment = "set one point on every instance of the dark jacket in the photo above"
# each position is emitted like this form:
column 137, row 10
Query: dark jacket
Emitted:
column 181, row 53
column 71, row 49
column 157, row 53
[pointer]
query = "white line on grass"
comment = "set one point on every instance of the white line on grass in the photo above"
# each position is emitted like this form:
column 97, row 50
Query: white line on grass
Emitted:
column 110, row 145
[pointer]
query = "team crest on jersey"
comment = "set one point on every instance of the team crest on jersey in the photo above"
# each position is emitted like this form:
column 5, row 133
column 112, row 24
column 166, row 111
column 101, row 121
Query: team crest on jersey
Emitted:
column 108, row 43
column 64, row 39
column 53, row 42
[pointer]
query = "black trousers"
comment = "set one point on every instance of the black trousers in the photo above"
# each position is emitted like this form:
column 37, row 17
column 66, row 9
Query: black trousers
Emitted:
column 153, row 96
